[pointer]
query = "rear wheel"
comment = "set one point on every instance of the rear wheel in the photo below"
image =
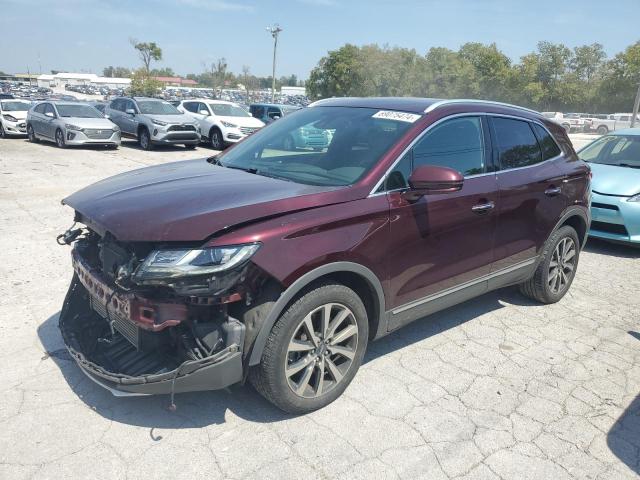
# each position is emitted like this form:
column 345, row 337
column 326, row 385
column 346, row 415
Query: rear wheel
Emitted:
column 2, row 133
column 556, row 271
column 60, row 139
column 314, row 350
column 145, row 139
column 602, row 130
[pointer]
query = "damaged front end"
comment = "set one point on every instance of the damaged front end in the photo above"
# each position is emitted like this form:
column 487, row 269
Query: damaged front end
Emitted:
column 145, row 320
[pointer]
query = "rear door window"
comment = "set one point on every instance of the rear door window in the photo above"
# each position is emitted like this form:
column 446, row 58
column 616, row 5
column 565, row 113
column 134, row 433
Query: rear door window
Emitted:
column 517, row 145
column 548, row 145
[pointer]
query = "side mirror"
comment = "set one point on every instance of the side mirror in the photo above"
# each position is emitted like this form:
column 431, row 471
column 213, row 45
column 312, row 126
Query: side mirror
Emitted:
column 50, row 115
column 432, row 179
column 204, row 112
column 130, row 111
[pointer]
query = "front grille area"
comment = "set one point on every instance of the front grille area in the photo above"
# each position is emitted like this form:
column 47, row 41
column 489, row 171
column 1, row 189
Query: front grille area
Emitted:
column 181, row 128
column 248, row 130
column 127, row 329
column 604, row 206
column 609, row 228
column 182, row 136
column 98, row 134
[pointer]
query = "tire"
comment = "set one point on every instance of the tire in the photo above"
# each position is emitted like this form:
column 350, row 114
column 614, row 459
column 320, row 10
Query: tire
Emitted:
column 602, row 130
column 60, row 139
column 216, row 139
column 550, row 283
column 31, row 135
column 2, row 133
column 319, row 372
column 144, row 139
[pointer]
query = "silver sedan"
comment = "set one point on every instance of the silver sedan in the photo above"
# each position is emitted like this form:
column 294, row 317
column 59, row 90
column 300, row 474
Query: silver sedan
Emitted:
column 69, row 123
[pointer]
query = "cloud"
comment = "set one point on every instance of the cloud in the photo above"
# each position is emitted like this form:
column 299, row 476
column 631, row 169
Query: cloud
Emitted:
column 217, row 5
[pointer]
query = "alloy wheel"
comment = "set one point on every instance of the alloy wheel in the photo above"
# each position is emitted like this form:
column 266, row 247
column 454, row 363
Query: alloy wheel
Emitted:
column 1, row 131
column 562, row 265
column 216, row 140
column 59, row 139
column 30, row 134
column 144, row 140
column 321, row 350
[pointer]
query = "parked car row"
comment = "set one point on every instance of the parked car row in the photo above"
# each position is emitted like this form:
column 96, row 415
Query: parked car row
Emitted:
column 592, row 123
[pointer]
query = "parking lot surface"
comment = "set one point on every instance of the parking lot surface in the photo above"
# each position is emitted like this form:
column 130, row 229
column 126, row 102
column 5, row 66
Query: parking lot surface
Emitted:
column 496, row 388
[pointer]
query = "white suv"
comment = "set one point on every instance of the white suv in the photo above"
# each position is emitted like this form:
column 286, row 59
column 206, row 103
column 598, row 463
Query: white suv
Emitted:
column 220, row 123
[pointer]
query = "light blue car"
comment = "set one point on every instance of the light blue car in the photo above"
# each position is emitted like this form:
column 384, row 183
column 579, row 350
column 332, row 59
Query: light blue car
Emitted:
column 615, row 202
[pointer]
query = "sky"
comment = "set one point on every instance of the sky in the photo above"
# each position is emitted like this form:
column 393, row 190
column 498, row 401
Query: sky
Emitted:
column 88, row 35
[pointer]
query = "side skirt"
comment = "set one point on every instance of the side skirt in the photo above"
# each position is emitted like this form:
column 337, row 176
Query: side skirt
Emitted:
column 405, row 314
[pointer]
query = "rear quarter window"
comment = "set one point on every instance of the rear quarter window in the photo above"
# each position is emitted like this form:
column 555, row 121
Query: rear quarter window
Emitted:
column 548, row 145
column 516, row 143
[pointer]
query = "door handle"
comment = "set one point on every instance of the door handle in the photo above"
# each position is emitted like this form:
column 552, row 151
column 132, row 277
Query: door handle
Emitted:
column 552, row 191
column 483, row 207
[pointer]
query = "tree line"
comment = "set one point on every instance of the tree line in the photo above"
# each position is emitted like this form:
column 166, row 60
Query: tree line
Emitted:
column 551, row 78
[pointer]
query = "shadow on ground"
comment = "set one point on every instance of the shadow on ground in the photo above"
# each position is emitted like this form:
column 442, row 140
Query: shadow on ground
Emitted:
column 603, row 247
column 624, row 437
column 205, row 408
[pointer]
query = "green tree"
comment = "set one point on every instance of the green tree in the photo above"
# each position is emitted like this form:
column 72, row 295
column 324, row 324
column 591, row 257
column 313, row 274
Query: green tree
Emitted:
column 162, row 72
column 338, row 74
column 144, row 85
column 120, row 72
column 147, row 51
column 620, row 81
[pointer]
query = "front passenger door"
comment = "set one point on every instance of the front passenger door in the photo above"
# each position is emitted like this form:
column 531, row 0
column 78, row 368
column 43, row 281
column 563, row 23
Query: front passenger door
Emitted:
column 441, row 246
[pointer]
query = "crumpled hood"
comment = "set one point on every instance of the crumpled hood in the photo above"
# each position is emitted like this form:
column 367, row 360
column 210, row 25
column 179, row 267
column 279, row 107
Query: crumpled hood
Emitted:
column 188, row 201
column 612, row 180
column 18, row 115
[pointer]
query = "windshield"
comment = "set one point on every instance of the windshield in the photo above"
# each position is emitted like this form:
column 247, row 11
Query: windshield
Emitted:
column 226, row 110
column 152, row 107
column 618, row 150
column 13, row 106
column 328, row 146
column 79, row 111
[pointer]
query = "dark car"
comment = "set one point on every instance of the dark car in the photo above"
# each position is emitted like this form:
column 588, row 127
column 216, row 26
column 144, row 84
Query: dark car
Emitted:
column 268, row 112
column 281, row 265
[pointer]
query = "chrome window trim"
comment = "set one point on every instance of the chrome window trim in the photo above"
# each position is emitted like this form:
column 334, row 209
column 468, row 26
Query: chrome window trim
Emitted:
column 379, row 183
column 462, row 286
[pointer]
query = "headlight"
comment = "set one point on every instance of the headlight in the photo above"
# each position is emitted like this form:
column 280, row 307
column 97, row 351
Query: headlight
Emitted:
column 184, row 263
column 70, row 126
column 158, row 122
column 635, row 198
column 228, row 125
column 11, row 118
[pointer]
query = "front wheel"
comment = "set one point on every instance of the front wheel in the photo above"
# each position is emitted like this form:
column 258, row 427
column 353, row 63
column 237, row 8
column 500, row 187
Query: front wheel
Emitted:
column 60, row 139
column 217, row 142
column 556, row 271
column 314, row 350
column 145, row 139
column 2, row 134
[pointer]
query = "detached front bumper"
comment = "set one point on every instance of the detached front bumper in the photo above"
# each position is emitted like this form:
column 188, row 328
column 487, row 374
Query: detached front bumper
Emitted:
column 104, row 347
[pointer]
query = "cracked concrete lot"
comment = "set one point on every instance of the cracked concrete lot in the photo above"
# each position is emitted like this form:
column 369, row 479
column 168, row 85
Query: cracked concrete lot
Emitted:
column 496, row 388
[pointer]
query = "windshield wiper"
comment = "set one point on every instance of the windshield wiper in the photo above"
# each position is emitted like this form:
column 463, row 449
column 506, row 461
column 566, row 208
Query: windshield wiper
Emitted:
column 628, row 165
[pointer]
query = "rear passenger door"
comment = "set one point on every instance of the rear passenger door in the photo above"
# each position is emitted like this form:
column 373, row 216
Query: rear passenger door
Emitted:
column 37, row 118
column 530, row 182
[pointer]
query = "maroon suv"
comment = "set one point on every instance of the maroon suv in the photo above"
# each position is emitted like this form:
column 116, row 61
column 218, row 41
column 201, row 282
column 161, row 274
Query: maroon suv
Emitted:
column 279, row 264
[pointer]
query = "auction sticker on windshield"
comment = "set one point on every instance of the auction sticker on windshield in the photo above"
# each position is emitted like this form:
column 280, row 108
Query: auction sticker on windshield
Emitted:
column 399, row 116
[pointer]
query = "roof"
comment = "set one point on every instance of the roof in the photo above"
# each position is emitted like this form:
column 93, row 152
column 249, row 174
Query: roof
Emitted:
column 77, row 76
column 405, row 104
column 413, row 104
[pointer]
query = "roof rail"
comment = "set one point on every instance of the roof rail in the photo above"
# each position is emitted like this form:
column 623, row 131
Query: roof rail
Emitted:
column 440, row 103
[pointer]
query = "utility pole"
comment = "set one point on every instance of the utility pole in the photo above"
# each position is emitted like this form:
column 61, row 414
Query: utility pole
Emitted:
column 636, row 105
column 274, row 31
